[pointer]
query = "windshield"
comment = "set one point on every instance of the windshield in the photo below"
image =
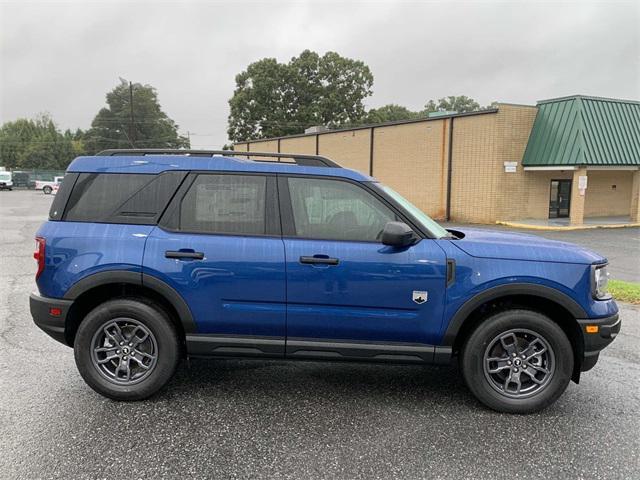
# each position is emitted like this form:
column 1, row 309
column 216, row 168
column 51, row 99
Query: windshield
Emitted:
column 418, row 214
column 5, row 176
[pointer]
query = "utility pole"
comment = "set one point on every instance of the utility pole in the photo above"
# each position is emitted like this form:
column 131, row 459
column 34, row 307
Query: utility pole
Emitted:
column 132, row 130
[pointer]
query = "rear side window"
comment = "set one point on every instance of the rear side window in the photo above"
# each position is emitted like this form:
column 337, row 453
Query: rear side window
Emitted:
column 227, row 204
column 60, row 200
column 121, row 197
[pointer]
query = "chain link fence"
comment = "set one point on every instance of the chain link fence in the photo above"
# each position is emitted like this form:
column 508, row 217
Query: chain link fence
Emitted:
column 28, row 178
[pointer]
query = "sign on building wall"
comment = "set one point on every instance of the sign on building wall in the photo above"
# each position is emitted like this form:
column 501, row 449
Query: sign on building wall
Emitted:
column 582, row 183
column 510, row 167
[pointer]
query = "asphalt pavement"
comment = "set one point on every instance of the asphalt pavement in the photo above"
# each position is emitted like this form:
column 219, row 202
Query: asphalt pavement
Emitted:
column 257, row 419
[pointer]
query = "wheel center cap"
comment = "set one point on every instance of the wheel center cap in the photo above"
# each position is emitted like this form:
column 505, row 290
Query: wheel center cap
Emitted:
column 517, row 362
column 125, row 350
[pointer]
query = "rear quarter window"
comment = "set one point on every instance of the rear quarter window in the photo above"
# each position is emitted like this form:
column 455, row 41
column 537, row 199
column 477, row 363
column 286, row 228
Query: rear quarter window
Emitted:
column 121, row 197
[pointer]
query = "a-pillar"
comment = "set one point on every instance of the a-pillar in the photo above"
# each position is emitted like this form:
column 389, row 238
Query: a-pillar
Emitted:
column 634, row 212
column 577, row 197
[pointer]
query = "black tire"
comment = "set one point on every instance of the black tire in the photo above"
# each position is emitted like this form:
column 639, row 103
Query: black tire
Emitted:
column 139, row 315
column 499, row 333
column 47, row 190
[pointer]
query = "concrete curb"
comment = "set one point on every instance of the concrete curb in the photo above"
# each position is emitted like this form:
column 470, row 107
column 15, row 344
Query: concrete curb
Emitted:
column 565, row 228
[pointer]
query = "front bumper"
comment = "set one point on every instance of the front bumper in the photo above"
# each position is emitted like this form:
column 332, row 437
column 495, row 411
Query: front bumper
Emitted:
column 50, row 315
column 607, row 329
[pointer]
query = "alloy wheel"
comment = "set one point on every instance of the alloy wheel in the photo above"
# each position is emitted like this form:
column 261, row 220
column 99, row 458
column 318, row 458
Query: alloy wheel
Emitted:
column 124, row 351
column 519, row 363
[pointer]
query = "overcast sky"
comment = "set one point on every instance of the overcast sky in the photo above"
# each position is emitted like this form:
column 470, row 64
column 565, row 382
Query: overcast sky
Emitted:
column 62, row 58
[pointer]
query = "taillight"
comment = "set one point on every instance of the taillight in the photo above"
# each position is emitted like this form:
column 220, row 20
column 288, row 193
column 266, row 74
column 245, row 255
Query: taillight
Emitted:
column 39, row 254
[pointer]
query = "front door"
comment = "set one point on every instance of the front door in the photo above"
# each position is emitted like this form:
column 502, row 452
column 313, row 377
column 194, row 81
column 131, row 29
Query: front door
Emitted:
column 560, row 198
column 220, row 249
column 348, row 295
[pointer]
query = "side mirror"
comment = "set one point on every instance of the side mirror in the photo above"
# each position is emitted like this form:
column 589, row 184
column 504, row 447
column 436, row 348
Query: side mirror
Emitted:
column 398, row 234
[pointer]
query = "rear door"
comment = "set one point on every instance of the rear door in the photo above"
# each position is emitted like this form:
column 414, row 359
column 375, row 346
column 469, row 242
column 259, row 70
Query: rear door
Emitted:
column 348, row 294
column 219, row 246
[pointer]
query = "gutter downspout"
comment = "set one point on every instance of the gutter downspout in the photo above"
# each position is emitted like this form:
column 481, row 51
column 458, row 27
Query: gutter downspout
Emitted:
column 449, row 170
column 371, row 152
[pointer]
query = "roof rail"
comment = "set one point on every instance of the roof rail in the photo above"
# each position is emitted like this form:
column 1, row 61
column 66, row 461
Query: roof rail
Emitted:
column 298, row 159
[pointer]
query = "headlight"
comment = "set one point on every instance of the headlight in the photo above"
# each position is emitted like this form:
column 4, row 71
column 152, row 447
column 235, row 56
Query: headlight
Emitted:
column 599, row 282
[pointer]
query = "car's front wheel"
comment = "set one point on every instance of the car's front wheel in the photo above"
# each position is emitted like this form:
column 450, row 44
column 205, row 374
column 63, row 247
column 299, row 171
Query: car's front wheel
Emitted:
column 47, row 190
column 517, row 361
column 127, row 349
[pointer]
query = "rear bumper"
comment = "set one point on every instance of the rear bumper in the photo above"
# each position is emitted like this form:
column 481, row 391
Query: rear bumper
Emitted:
column 607, row 330
column 52, row 324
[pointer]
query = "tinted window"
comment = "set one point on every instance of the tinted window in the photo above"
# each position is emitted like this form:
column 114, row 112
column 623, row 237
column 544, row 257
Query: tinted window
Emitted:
column 225, row 204
column 336, row 210
column 60, row 200
column 146, row 205
column 120, row 197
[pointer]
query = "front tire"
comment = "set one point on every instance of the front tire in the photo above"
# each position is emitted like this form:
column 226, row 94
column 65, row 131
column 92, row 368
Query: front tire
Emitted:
column 127, row 349
column 517, row 361
column 47, row 190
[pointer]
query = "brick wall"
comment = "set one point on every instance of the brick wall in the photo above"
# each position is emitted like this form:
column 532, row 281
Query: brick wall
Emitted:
column 350, row 148
column 412, row 159
column 602, row 199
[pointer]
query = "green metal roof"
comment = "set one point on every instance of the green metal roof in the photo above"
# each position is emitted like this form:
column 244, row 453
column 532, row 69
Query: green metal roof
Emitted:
column 583, row 130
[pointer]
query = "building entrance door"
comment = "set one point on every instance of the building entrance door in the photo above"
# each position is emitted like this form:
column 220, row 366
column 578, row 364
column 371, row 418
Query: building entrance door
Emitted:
column 560, row 198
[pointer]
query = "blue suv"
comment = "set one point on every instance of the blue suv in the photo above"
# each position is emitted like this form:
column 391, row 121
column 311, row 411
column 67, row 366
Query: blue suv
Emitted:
column 150, row 256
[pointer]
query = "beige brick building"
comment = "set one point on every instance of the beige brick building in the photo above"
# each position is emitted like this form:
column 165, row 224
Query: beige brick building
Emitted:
column 511, row 163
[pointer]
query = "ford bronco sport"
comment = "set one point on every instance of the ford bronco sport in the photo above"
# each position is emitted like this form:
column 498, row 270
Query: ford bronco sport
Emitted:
column 151, row 256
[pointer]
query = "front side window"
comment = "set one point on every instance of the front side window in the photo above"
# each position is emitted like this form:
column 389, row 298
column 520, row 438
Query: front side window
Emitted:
column 427, row 222
column 231, row 204
column 336, row 210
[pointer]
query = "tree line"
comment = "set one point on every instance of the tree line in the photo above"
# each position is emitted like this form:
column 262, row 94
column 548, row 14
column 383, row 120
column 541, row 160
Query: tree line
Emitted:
column 270, row 99
column 273, row 99
column 132, row 118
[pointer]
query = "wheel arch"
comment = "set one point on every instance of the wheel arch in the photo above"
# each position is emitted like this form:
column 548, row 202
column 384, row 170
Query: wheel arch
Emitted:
column 553, row 303
column 99, row 287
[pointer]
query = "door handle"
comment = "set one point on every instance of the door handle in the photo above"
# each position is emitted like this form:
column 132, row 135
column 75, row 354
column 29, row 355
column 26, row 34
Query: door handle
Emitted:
column 184, row 254
column 319, row 260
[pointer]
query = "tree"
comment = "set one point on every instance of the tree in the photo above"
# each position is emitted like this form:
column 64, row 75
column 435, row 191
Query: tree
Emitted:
column 389, row 113
column 38, row 143
column 274, row 99
column 452, row 103
column 116, row 126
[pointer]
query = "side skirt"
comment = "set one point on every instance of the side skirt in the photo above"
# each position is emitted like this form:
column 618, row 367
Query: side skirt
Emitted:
column 315, row 349
column 235, row 346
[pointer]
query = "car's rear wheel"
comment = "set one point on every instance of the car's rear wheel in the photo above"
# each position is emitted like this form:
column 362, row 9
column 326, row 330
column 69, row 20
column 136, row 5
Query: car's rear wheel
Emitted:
column 47, row 190
column 127, row 349
column 517, row 361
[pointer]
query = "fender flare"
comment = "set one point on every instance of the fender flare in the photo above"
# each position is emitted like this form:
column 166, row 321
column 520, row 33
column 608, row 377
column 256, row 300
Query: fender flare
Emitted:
column 139, row 279
column 493, row 293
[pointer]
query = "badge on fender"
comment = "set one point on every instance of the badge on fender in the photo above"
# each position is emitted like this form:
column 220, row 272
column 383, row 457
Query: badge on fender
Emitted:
column 419, row 297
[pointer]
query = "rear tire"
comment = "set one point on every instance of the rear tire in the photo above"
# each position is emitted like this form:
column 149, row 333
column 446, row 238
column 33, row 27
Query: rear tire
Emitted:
column 127, row 349
column 47, row 190
column 528, row 381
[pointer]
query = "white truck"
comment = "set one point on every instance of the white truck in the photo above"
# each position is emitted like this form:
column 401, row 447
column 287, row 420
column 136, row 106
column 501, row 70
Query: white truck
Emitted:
column 6, row 180
column 48, row 187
